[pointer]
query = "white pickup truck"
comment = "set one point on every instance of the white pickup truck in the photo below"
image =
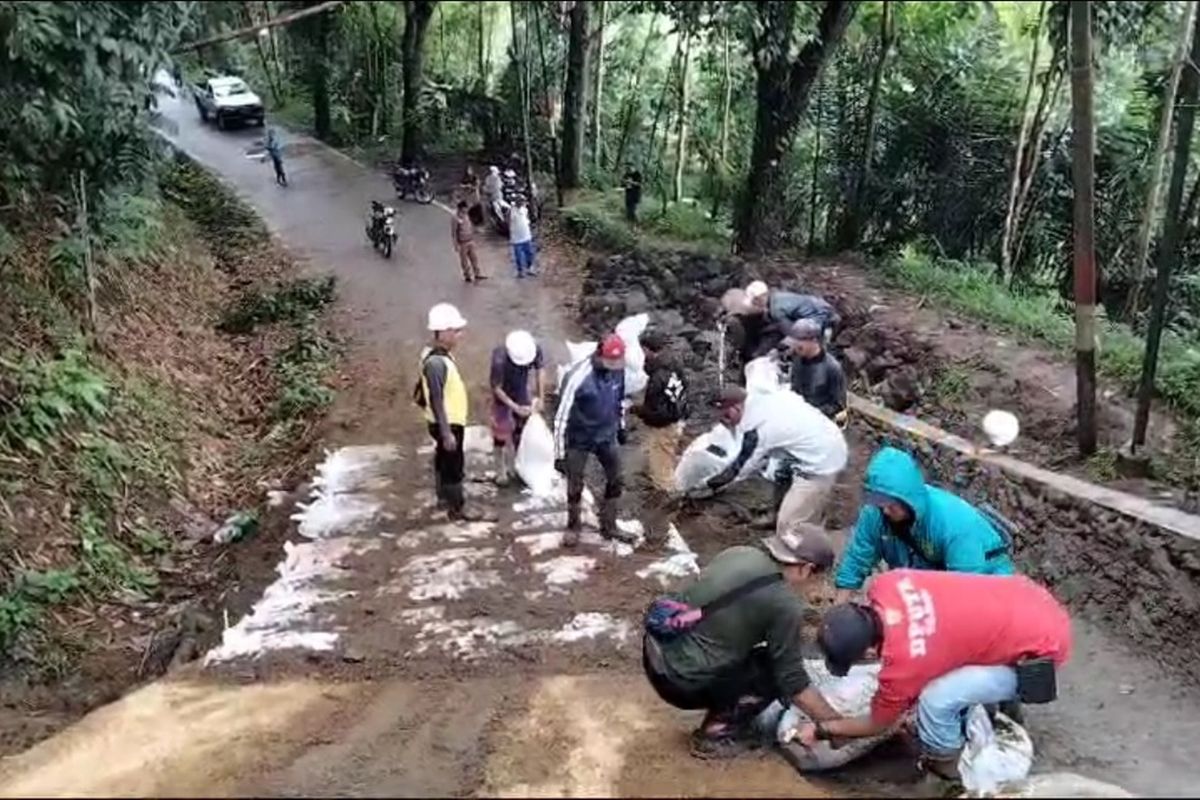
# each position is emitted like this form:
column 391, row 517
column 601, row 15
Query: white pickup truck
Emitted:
column 225, row 99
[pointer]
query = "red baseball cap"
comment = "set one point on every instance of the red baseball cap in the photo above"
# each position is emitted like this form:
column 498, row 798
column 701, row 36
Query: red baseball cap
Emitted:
column 612, row 347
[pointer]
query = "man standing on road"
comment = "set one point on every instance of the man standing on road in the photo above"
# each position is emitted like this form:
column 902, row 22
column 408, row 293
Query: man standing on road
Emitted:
column 513, row 364
column 947, row 641
column 442, row 392
column 274, row 149
column 663, row 410
column 591, row 421
column 808, row 447
column 633, row 193
column 743, row 649
column 905, row 522
column 815, row 374
column 462, row 235
column 520, row 236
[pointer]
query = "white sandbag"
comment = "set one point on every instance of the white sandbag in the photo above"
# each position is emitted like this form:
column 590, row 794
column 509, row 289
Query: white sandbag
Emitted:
column 993, row 755
column 849, row 696
column 762, row 375
column 576, row 352
column 535, row 456
column 630, row 329
column 1061, row 784
column 706, row 457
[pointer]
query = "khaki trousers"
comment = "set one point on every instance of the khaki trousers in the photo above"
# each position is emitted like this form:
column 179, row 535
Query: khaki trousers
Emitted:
column 804, row 501
column 662, row 448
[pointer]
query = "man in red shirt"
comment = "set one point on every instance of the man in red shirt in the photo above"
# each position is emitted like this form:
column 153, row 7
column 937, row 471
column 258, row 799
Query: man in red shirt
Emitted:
column 947, row 641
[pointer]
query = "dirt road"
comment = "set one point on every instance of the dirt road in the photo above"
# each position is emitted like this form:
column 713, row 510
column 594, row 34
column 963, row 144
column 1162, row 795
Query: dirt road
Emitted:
column 399, row 655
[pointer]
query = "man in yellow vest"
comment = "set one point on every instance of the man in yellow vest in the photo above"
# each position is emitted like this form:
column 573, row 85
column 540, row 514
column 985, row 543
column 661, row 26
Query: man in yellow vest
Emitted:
column 443, row 395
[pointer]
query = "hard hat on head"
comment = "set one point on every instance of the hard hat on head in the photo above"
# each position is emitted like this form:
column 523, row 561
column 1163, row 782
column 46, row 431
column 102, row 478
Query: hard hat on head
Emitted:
column 445, row 317
column 521, row 348
column 735, row 301
column 755, row 290
column 612, row 347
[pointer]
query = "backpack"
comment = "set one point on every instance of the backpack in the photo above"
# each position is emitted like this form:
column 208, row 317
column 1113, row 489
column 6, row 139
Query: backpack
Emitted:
column 668, row 618
column 418, row 390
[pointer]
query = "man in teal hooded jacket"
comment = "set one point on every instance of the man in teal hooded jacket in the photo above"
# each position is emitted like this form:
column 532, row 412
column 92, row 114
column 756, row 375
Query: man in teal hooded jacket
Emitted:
column 908, row 523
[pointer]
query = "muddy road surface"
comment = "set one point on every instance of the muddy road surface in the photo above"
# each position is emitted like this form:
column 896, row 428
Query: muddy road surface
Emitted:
column 392, row 653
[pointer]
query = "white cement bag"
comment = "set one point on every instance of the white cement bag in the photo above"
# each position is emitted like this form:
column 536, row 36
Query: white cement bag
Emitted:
column 849, row 696
column 993, row 756
column 630, row 329
column 576, row 352
column 762, row 375
column 1061, row 784
column 698, row 463
column 535, row 456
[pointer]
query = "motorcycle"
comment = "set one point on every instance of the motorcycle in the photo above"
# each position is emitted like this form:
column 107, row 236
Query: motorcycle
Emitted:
column 381, row 228
column 412, row 183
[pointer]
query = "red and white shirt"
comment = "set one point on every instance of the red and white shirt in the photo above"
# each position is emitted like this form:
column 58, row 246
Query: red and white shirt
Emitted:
column 935, row 622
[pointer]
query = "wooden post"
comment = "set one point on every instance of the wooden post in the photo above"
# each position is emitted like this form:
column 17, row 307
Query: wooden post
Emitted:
column 1084, row 256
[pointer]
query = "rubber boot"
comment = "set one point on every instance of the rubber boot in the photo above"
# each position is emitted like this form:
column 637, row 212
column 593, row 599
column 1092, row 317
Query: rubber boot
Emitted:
column 608, row 523
column 574, row 525
column 500, row 464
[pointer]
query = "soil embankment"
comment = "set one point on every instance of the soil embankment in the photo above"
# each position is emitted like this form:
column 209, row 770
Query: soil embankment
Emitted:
column 200, row 397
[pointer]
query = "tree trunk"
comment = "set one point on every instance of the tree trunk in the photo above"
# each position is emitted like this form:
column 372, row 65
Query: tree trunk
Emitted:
column 658, row 114
column 442, row 38
column 523, row 89
column 726, row 96
column 1083, row 146
column 818, row 122
column 547, row 89
column 1146, row 230
column 1014, row 185
column 417, row 14
column 575, row 96
column 598, row 100
column 784, row 86
column 720, row 165
column 632, row 100
column 852, row 222
column 479, row 8
column 318, row 79
column 1169, row 251
column 681, row 129
column 1047, row 102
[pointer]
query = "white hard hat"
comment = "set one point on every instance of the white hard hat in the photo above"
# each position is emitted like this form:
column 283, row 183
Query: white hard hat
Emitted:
column 1001, row 427
column 445, row 317
column 521, row 347
column 756, row 290
column 494, row 169
column 734, row 301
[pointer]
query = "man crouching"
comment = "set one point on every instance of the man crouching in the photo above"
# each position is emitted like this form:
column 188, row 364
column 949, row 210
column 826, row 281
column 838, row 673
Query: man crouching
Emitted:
column 730, row 642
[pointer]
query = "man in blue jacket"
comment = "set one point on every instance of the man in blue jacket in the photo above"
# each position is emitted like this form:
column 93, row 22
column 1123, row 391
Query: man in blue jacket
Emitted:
column 590, row 420
column 907, row 523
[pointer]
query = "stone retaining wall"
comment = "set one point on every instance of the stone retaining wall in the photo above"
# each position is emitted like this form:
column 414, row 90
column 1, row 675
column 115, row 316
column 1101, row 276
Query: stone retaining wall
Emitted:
column 1109, row 555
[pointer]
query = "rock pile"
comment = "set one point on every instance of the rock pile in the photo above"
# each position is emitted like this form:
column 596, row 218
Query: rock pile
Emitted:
column 682, row 291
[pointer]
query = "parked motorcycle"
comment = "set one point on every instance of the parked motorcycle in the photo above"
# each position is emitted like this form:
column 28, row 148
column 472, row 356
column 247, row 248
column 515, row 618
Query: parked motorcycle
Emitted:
column 412, row 182
column 381, row 228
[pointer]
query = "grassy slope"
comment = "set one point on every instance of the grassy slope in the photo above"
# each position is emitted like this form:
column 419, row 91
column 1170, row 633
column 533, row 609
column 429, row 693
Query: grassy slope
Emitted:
column 120, row 453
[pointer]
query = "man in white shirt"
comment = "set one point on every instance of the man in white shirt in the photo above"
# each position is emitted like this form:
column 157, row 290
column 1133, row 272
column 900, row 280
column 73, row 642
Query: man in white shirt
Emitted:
column 520, row 236
column 808, row 446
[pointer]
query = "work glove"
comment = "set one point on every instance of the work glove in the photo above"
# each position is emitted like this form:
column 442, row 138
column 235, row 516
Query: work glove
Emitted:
column 560, row 465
